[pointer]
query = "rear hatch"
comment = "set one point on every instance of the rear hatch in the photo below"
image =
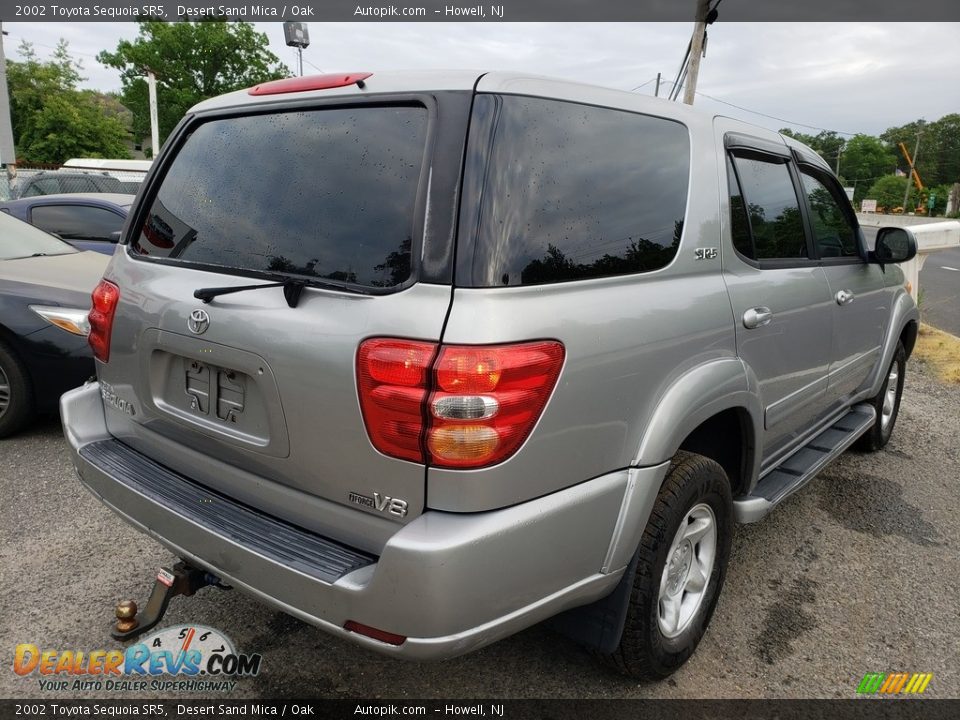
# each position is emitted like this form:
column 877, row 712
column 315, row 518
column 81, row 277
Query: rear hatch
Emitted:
column 349, row 202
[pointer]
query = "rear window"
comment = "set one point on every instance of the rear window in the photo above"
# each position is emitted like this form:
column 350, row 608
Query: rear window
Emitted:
column 574, row 191
column 328, row 194
column 20, row 240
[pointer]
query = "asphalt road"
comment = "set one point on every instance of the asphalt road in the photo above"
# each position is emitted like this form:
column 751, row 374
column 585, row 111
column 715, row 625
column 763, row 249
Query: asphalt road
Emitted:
column 939, row 287
column 857, row 573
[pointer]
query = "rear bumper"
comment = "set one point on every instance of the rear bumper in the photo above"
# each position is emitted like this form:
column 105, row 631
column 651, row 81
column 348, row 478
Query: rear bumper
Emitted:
column 448, row 582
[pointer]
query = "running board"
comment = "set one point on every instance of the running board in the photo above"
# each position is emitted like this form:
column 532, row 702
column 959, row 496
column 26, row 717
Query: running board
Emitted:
column 803, row 465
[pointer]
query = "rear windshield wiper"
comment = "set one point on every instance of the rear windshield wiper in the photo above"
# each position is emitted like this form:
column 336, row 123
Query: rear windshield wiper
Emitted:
column 292, row 289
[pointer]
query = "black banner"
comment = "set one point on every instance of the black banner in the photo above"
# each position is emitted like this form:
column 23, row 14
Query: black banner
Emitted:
column 471, row 11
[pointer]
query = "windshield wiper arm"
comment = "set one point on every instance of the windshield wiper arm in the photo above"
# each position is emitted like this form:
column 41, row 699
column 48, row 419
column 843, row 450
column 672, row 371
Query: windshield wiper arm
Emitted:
column 291, row 291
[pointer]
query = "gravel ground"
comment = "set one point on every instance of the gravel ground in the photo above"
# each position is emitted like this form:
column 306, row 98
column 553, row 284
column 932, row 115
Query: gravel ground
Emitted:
column 857, row 573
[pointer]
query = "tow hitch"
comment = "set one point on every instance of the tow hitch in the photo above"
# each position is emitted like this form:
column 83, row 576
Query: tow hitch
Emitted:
column 183, row 579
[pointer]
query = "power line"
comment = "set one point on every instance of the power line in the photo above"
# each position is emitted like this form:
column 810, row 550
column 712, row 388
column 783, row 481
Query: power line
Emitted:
column 312, row 65
column 641, row 85
column 774, row 117
column 70, row 50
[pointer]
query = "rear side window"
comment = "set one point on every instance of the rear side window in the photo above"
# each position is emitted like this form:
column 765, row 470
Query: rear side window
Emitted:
column 326, row 193
column 573, row 192
column 772, row 209
column 77, row 222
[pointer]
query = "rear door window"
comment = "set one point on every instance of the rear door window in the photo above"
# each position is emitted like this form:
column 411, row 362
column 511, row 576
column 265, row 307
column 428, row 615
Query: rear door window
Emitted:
column 574, row 191
column 772, row 208
column 77, row 222
column 328, row 193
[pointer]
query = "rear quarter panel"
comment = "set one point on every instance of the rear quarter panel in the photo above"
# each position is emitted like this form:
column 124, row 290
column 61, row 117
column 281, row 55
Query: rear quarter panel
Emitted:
column 56, row 360
column 628, row 340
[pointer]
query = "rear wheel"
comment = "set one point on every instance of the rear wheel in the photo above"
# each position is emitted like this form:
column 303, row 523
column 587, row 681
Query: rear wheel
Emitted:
column 887, row 405
column 681, row 566
column 16, row 394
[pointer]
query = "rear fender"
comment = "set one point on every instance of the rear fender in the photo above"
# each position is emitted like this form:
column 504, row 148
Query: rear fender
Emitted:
column 693, row 398
column 696, row 396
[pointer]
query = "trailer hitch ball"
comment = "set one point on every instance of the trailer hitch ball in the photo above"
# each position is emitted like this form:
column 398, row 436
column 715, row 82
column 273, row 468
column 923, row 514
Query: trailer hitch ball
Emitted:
column 182, row 579
column 126, row 616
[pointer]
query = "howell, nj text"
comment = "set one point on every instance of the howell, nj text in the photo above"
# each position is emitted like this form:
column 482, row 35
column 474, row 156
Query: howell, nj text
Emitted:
column 477, row 11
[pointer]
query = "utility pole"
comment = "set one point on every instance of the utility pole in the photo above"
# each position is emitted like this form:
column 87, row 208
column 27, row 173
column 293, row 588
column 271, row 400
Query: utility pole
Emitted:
column 296, row 35
column 696, row 50
column 656, row 92
column 8, row 157
column 154, row 123
column 913, row 164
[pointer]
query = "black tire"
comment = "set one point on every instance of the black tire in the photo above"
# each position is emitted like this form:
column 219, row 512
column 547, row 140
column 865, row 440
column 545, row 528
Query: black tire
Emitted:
column 645, row 652
column 18, row 396
column 879, row 433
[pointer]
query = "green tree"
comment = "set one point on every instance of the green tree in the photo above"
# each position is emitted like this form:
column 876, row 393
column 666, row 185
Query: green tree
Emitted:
column 865, row 159
column 192, row 61
column 888, row 192
column 942, row 162
column 940, row 194
column 53, row 120
column 826, row 143
column 72, row 125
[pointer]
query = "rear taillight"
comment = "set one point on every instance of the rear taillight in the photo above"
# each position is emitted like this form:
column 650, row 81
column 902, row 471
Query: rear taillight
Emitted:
column 486, row 400
column 392, row 377
column 105, row 298
column 454, row 406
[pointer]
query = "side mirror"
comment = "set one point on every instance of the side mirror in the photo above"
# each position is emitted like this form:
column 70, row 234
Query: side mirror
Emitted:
column 894, row 245
column 115, row 236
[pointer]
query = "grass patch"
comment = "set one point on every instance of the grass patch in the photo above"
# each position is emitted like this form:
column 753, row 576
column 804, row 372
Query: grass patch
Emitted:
column 941, row 351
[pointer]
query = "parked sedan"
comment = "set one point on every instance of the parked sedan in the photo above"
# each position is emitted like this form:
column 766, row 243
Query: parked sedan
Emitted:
column 89, row 221
column 45, row 287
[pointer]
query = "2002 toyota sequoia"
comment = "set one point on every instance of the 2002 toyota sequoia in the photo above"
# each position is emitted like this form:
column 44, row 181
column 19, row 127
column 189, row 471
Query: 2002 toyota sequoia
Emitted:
column 424, row 359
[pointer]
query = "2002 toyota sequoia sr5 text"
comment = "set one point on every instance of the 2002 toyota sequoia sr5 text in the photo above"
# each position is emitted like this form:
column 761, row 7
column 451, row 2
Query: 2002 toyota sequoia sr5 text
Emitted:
column 425, row 359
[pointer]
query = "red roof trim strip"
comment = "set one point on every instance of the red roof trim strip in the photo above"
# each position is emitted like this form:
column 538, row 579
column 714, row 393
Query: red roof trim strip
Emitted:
column 308, row 82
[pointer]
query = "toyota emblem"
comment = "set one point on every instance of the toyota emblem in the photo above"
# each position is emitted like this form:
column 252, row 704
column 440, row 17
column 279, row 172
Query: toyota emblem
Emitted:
column 198, row 322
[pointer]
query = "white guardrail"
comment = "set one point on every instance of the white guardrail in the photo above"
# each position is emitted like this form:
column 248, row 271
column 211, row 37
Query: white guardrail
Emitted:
column 932, row 235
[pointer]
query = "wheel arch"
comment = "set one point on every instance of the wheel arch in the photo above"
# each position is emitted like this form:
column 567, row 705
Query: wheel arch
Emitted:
column 715, row 401
column 714, row 410
column 908, row 336
column 904, row 327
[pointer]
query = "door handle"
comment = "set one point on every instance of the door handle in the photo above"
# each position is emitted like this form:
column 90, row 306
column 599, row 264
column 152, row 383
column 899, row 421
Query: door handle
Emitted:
column 844, row 297
column 757, row 317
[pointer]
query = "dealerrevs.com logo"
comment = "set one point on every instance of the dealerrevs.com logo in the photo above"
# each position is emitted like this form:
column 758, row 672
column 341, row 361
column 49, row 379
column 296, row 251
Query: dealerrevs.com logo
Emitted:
column 896, row 683
column 180, row 658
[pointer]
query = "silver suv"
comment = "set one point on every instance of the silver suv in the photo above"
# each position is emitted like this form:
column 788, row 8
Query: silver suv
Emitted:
column 425, row 359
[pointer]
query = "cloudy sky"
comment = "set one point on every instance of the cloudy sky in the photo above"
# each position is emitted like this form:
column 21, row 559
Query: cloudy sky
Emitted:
column 848, row 77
